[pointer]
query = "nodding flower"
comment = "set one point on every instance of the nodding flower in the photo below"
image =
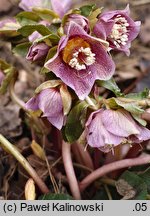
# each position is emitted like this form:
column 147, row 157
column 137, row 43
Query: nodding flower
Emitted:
column 80, row 60
column 118, row 29
column 106, row 129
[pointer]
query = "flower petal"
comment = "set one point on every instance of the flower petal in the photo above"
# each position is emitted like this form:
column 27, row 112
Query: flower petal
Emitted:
column 81, row 81
column 50, row 102
column 119, row 123
column 61, row 7
column 33, row 103
column 97, row 135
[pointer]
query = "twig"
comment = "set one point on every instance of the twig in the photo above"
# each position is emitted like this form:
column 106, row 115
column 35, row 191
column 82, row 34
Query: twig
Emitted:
column 140, row 2
column 112, row 167
column 13, row 150
column 14, row 97
column 108, row 192
column 66, row 155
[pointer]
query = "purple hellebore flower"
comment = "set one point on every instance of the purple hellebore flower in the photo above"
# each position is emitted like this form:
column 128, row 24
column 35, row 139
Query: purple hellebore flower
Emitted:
column 1, row 77
column 106, row 128
column 118, row 29
column 80, row 60
column 79, row 19
column 59, row 6
column 49, row 101
column 37, row 52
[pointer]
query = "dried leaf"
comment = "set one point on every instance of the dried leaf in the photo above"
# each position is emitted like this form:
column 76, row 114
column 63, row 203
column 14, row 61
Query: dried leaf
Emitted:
column 38, row 150
column 30, row 190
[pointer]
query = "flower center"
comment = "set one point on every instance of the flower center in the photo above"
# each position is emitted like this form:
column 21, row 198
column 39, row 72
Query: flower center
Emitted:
column 77, row 54
column 119, row 33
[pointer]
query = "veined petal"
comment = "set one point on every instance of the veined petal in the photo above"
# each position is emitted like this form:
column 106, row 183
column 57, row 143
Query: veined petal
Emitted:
column 98, row 136
column 119, row 122
column 82, row 80
column 50, row 102
column 61, row 6
column 33, row 103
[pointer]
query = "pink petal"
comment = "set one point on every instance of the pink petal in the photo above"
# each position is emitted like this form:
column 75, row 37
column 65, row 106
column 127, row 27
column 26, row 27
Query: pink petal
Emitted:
column 61, row 6
column 97, row 135
column 119, row 123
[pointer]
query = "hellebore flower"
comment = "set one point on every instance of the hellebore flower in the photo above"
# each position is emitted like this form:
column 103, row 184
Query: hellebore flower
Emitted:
column 49, row 101
column 1, row 77
column 106, row 128
column 79, row 19
column 80, row 60
column 59, row 6
column 37, row 52
column 118, row 29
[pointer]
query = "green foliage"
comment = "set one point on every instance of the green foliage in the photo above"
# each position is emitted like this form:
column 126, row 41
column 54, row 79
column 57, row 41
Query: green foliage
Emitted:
column 74, row 125
column 131, row 186
column 52, row 196
column 29, row 29
column 146, row 178
column 27, row 18
column 87, row 9
column 138, row 96
column 45, row 14
column 22, row 49
column 10, row 74
column 110, row 85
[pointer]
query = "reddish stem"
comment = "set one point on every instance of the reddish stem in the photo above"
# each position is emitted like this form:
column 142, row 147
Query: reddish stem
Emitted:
column 111, row 167
column 82, row 155
column 66, row 155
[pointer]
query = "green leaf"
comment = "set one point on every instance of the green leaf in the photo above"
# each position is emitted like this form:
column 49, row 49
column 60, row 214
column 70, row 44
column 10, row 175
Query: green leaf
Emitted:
column 146, row 178
column 128, row 104
column 139, row 119
column 50, row 54
column 10, row 75
column 45, row 14
column 52, row 196
column 131, row 106
column 74, row 125
column 22, row 49
column 131, row 186
column 110, row 85
column 51, row 38
column 29, row 29
column 87, row 9
column 27, row 18
column 138, row 96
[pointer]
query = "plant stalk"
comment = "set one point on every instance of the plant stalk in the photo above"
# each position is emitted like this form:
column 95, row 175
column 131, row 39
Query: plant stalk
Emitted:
column 13, row 150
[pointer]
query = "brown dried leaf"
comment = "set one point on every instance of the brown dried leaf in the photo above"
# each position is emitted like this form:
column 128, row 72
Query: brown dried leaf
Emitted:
column 125, row 190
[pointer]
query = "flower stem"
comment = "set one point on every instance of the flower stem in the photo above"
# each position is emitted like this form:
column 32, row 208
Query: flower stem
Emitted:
column 13, row 150
column 66, row 155
column 112, row 167
column 14, row 97
column 85, row 158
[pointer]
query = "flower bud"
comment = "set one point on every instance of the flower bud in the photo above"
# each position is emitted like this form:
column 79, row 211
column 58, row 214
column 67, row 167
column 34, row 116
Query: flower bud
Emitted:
column 37, row 52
